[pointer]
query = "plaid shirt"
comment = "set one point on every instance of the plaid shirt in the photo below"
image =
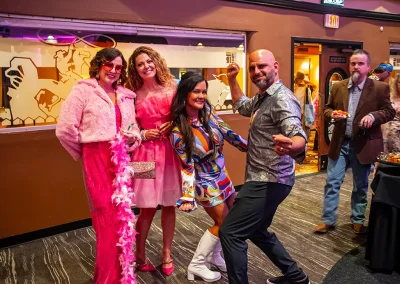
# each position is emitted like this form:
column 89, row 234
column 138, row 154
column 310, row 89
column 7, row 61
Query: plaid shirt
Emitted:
column 354, row 98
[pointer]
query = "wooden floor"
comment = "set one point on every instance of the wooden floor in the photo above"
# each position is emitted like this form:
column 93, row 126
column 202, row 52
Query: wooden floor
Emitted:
column 69, row 257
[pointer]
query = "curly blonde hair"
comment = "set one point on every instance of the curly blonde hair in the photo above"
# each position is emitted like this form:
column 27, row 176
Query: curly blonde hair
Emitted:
column 163, row 75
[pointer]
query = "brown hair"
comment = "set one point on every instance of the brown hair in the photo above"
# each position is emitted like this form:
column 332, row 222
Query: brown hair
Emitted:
column 362, row 51
column 163, row 75
column 104, row 55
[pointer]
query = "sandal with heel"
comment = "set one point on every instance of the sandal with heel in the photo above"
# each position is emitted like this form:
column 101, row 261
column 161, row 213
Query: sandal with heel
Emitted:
column 168, row 271
column 146, row 267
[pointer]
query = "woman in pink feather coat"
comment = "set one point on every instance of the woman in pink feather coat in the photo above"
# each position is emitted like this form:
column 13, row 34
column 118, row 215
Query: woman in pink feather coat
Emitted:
column 93, row 113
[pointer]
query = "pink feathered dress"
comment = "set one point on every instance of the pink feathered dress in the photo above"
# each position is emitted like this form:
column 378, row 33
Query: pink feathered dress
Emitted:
column 99, row 175
column 165, row 190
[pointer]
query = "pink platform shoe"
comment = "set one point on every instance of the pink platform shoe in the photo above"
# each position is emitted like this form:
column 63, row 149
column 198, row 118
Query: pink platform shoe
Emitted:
column 145, row 267
column 168, row 271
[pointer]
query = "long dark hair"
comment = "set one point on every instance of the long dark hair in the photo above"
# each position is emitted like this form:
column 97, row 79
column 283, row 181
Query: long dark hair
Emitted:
column 180, row 117
column 107, row 54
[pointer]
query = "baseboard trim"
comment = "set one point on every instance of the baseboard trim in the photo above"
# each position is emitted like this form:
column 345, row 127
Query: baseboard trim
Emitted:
column 43, row 233
column 48, row 232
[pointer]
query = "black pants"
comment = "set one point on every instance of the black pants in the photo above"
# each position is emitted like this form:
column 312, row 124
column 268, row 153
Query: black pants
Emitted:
column 249, row 218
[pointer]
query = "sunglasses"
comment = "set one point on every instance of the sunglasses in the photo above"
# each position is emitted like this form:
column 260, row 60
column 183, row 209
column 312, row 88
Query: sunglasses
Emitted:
column 108, row 66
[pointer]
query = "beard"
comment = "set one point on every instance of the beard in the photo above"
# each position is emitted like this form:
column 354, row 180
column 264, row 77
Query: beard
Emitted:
column 355, row 76
column 264, row 83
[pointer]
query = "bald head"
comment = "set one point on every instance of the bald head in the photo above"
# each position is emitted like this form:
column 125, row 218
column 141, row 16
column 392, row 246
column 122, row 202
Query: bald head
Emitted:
column 263, row 69
column 262, row 54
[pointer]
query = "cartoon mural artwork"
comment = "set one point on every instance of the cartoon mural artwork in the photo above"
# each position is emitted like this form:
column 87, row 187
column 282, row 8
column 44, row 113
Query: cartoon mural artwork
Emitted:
column 72, row 63
column 35, row 94
column 218, row 92
column 38, row 73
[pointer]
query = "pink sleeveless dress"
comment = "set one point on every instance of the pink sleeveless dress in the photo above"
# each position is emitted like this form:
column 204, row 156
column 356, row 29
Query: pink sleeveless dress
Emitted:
column 99, row 175
column 166, row 188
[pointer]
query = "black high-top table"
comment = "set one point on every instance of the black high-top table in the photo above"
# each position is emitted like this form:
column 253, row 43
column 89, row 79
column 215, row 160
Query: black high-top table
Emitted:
column 383, row 243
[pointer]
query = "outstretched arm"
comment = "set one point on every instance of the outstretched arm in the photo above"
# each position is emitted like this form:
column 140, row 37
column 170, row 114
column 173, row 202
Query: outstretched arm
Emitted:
column 229, row 135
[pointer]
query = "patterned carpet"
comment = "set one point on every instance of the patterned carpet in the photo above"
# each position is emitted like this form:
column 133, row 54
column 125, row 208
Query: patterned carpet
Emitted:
column 69, row 257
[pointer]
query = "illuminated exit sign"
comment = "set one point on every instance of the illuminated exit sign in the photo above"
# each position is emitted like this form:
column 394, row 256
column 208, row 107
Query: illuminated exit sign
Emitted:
column 331, row 21
column 333, row 2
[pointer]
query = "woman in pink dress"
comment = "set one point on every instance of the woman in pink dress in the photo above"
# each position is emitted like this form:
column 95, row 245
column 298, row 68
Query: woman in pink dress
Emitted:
column 150, row 78
column 93, row 113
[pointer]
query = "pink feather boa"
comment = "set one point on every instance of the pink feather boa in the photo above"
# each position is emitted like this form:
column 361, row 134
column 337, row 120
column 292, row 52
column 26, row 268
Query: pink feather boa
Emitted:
column 123, row 199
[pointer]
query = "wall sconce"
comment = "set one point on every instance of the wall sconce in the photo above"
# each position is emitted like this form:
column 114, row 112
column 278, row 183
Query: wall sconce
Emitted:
column 51, row 40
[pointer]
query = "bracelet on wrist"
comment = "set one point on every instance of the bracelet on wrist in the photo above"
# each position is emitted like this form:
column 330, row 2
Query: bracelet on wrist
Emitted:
column 143, row 135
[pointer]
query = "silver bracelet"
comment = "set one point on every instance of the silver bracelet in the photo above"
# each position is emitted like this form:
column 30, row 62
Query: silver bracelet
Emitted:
column 143, row 135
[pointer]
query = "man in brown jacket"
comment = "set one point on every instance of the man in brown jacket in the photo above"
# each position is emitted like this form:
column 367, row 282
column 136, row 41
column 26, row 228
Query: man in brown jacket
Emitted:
column 356, row 140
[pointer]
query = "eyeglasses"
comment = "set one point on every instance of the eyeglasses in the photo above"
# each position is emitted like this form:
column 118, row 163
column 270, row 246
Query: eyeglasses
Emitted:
column 108, row 66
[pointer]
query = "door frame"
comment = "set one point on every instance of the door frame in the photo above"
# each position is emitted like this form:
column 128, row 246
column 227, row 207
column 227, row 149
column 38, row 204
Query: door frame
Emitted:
column 323, row 42
column 295, row 39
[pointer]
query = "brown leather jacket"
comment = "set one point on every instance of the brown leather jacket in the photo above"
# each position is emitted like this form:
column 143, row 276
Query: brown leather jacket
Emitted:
column 375, row 99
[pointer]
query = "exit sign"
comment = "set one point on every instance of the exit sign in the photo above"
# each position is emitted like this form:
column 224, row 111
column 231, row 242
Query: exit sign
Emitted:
column 333, row 2
column 331, row 21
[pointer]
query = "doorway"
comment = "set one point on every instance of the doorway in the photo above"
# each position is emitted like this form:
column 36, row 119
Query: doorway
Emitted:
column 316, row 65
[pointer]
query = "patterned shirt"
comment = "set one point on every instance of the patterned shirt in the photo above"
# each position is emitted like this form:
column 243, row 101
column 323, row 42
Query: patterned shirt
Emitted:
column 276, row 111
column 204, row 176
column 354, row 98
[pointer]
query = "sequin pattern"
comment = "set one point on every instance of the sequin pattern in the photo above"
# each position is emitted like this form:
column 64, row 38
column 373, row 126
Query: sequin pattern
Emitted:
column 278, row 112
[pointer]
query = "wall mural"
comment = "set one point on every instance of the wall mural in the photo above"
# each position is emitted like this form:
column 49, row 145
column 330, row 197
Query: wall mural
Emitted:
column 218, row 93
column 33, row 95
column 41, row 71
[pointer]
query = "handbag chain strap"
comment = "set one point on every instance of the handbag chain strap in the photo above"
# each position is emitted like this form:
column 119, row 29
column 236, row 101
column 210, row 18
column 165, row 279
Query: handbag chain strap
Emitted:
column 148, row 152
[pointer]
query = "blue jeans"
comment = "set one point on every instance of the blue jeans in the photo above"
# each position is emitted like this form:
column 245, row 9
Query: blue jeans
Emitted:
column 336, row 172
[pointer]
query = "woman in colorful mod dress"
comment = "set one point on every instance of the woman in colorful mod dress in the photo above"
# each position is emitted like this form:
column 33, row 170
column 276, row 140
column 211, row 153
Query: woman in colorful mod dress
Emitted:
column 198, row 136
column 154, row 85
column 93, row 113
